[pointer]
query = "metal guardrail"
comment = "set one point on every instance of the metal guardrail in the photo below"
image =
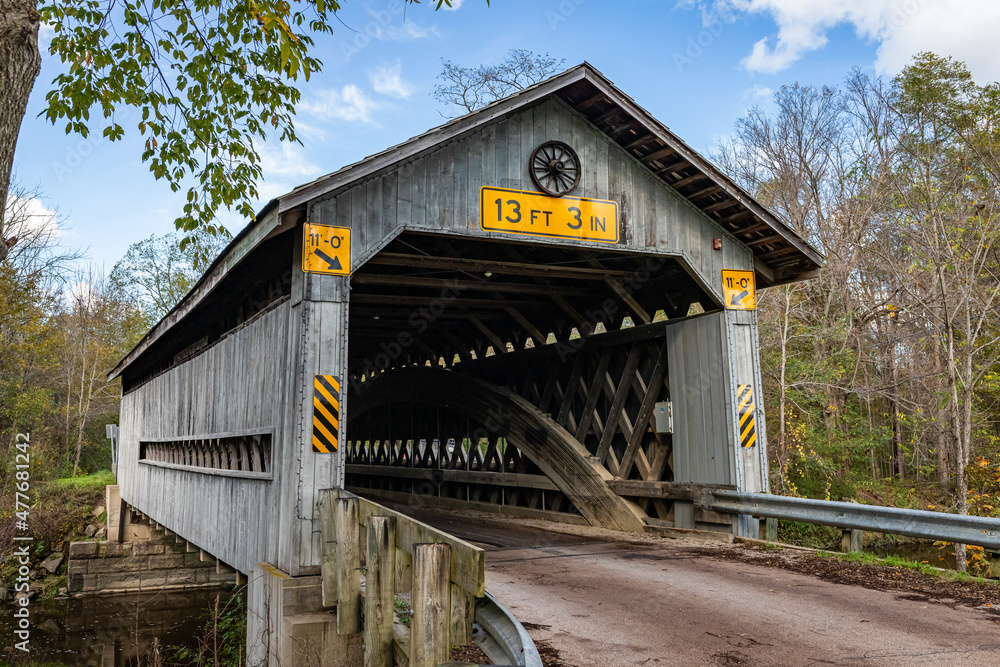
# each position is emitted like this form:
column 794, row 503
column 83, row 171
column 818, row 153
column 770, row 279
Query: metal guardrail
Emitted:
column 977, row 530
column 502, row 637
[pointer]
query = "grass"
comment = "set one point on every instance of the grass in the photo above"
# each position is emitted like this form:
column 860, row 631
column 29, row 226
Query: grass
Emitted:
column 402, row 610
column 92, row 482
column 898, row 561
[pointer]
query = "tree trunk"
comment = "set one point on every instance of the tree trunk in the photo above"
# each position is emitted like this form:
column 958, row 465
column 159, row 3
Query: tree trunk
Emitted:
column 20, row 62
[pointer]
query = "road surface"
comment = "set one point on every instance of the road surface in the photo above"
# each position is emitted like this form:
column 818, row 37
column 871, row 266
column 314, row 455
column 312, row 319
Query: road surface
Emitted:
column 603, row 600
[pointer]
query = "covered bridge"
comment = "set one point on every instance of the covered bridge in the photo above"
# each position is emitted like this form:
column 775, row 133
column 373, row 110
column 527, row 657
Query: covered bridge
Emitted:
column 544, row 307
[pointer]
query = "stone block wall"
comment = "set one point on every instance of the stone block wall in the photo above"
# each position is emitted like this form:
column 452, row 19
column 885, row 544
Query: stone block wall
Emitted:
column 127, row 567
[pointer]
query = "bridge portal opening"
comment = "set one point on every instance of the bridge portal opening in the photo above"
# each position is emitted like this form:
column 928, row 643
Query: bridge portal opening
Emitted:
column 476, row 367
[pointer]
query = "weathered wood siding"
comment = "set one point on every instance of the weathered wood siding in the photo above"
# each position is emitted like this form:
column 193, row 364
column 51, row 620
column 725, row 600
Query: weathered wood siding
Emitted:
column 439, row 191
column 248, row 380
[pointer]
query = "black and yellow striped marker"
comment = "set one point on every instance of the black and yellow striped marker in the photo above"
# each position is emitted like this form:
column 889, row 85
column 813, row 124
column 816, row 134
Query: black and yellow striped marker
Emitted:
column 326, row 413
column 748, row 426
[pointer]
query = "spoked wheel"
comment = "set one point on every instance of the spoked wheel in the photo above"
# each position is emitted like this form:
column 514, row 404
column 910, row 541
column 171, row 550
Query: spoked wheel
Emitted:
column 555, row 168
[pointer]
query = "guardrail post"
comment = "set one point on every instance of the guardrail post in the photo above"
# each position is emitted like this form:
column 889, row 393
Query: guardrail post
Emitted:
column 429, row 640
column 851, row 541
column 348, row 565
column 771, row 529
column 380, row 591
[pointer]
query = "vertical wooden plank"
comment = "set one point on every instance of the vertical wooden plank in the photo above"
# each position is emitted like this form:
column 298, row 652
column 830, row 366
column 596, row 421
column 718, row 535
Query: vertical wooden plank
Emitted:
column 501, row 150
column 418, row 193
column 348, row 562
column 328, row 529
column 475, row 181
column 513, row 172
column 380, row 591
column 489, row 168
column 404, row 571
column 404, row 193
column 389, row 202
column 463, row 609
column 429, row 641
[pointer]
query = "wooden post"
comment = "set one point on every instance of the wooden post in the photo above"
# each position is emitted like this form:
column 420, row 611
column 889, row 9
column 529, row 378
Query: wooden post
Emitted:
column 348, row 566
column 380, row 591
column 328, row 536
column 771, row 529
column 851, row 541
column 429, row 642
column 463, row 610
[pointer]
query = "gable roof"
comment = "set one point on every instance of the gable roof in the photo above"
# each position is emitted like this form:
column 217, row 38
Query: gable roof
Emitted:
column 780, row 254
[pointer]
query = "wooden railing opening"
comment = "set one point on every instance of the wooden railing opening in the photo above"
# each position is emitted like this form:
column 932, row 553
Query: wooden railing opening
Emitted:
column 395, row 554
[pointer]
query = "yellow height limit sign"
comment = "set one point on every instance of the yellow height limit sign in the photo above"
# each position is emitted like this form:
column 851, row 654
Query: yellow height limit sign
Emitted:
column 738, row 290
column 533, row 214
column 326, row 249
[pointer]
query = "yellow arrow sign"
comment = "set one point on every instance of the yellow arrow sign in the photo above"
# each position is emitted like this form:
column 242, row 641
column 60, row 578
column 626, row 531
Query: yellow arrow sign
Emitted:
column 738, row 290
column 326, row 249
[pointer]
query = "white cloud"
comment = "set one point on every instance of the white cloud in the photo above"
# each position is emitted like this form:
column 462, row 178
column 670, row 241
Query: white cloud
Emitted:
column 28, row 216
column 963, row 29
column 455, row 4
column 389, row 81
column 407, row 31
column 758, row 92
column 287, row 160
column 350, row 103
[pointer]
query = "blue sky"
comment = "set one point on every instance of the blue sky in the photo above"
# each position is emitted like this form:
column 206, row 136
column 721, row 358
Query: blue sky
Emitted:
column 697, row 65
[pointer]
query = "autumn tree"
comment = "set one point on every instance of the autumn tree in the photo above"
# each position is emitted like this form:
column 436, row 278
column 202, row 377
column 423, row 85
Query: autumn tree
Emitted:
column 156, row 273
column 209, row 81
column 471, row 88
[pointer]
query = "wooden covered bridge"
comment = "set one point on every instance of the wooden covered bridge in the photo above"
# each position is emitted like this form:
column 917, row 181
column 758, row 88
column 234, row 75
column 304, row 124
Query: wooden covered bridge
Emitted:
column 542, row 308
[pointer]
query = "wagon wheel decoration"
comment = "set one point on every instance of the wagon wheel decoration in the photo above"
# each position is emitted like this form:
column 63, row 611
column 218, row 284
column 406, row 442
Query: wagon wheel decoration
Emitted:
column 555, row 168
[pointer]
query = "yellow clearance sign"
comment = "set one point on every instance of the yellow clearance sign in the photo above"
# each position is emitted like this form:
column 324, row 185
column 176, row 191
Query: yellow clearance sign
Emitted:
column 739, row 291
column 534, row 214
column 326, row 249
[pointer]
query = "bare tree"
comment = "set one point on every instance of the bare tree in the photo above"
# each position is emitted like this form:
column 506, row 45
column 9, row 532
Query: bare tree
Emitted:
column 472, row 88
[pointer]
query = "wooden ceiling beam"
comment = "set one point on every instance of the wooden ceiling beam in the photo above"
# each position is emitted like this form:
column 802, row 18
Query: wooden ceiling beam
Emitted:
column 639, row 141
column 675, row 167
column 689, row 180
column 405, row 300
column 760, row 226
column 765, row 240
column 591, row 101
column 532, row 331
column 582, row 325
column 657, row 155
column 608, row 115
column 499, row 347
column 406, row 280
column 630, row 302
column 704, row 192
column 495, row 267
column 720, row 205
column 767, row 256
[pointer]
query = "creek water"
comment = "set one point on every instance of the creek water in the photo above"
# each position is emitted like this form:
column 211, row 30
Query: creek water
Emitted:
column 109, row 631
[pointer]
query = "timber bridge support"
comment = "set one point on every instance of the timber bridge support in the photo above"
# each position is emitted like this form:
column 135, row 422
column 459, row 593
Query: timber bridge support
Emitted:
column 544, row 308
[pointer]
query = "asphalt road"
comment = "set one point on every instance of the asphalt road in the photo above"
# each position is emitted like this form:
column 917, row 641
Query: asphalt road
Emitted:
column 604, row 601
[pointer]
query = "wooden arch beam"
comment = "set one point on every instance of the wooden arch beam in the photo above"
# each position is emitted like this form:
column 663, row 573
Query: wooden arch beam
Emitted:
column 553, row 449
